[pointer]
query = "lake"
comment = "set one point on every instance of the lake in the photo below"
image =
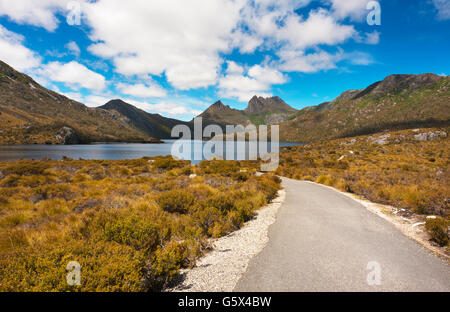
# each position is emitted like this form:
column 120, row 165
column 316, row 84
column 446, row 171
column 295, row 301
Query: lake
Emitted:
column 101, row 151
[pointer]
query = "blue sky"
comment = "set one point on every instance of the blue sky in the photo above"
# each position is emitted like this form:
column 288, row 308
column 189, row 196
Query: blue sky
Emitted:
column 176, row 57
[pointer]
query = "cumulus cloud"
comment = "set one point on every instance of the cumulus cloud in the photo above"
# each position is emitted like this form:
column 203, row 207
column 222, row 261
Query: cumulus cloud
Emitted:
column 319, row 28
column 181, row 38
column 14, row 53
column 258, row 81
column 141, row 90
column 39, row 13
column 73, row 74
column 187, row 42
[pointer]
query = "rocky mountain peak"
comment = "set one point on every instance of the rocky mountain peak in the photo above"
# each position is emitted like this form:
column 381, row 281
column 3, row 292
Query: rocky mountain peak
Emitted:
column 259, row 105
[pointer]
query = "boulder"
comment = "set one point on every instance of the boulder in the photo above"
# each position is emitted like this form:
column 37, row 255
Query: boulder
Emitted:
column 67, row 136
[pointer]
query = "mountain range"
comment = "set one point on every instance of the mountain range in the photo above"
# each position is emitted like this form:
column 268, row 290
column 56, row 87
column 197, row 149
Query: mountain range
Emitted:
column 32, row 114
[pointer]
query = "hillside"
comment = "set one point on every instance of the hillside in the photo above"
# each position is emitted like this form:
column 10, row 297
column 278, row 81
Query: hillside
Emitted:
column 153, row 125
column 397, row 102
column 32, row 114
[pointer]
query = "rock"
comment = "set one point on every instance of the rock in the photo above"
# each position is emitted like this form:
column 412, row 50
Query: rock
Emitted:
column 67, row 136
column 429, row 136
column 192, row 176
column 381, row 140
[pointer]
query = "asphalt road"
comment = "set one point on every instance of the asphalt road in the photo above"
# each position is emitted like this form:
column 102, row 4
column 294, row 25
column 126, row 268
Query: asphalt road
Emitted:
column 324, row 241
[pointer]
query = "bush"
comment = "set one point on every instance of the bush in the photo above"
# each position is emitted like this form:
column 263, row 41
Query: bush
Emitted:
column 176, row 201
column 222, row 201
column 438, row 229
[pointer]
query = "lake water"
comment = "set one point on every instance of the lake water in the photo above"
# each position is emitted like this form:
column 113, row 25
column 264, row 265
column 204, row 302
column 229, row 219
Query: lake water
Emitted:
column 104, row 151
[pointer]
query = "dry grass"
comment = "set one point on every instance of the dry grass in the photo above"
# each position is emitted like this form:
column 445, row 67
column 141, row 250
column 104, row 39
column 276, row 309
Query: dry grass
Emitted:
column 131, row 224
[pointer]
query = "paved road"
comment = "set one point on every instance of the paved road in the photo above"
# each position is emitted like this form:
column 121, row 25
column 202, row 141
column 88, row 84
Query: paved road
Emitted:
column 323, row 241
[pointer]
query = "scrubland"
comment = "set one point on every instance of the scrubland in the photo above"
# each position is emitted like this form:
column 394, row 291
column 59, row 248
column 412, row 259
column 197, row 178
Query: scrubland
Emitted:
column 131, row 224
column 407, row 169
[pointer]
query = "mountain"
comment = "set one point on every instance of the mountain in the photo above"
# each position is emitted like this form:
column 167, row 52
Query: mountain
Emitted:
column 32, row 114
column 397, row 102
column 222, row 115
column 153, row 125
column 259, row 105
column 259, row 111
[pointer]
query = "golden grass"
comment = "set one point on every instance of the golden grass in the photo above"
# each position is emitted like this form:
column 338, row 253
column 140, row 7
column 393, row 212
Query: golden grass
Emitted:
column 131, row 224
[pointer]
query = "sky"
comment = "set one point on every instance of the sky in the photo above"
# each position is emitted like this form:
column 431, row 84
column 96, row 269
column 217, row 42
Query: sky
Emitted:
column 176, row 57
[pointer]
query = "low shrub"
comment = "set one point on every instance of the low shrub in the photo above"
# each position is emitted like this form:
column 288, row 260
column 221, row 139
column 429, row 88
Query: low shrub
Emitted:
column 438, row 230
column 176, row 201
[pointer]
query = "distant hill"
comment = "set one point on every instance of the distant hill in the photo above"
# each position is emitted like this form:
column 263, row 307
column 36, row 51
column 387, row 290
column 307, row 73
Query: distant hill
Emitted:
column 397, row 102
column 153, row 125
column 32, row 114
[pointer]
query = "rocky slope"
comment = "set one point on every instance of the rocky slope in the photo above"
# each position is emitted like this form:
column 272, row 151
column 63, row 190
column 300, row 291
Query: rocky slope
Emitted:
column 259, row 111
column 397, row 102
column 153, row 125
column 32, row 114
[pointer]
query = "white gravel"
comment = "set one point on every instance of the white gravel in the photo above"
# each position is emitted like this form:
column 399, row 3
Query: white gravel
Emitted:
column 221, row 269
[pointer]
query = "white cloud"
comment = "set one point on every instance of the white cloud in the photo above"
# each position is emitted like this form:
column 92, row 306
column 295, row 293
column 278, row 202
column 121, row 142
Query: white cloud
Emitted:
column 233, row 68
column 372, row 38
column 167, row 108
column 73, row 48
column 299, row 61
column 319, row 28
column 73, row 96
column 188, row 41
column 38, row 13
column 73, row 74
column 141, row 90
column 14, row 53
column 178, row 37
column 258, row 81
column 95, row 100
column 355, row 9
column 443, row 7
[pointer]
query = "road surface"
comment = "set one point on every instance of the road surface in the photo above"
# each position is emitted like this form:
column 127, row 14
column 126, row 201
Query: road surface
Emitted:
column 325, row 241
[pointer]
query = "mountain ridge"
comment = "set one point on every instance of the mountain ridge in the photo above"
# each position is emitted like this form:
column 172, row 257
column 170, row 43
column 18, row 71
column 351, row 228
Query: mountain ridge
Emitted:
column 32, row 114
column 154, row 125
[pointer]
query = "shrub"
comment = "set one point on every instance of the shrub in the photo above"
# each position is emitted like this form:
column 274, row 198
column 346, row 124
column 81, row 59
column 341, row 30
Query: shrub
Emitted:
column 167, row 261
column 223, row 167
column 222, row 201
column 438, row 229
column 176, row 201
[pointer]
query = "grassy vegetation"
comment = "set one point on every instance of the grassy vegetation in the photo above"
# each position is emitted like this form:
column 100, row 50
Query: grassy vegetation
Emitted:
column 131, row 224
column 390, row 168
